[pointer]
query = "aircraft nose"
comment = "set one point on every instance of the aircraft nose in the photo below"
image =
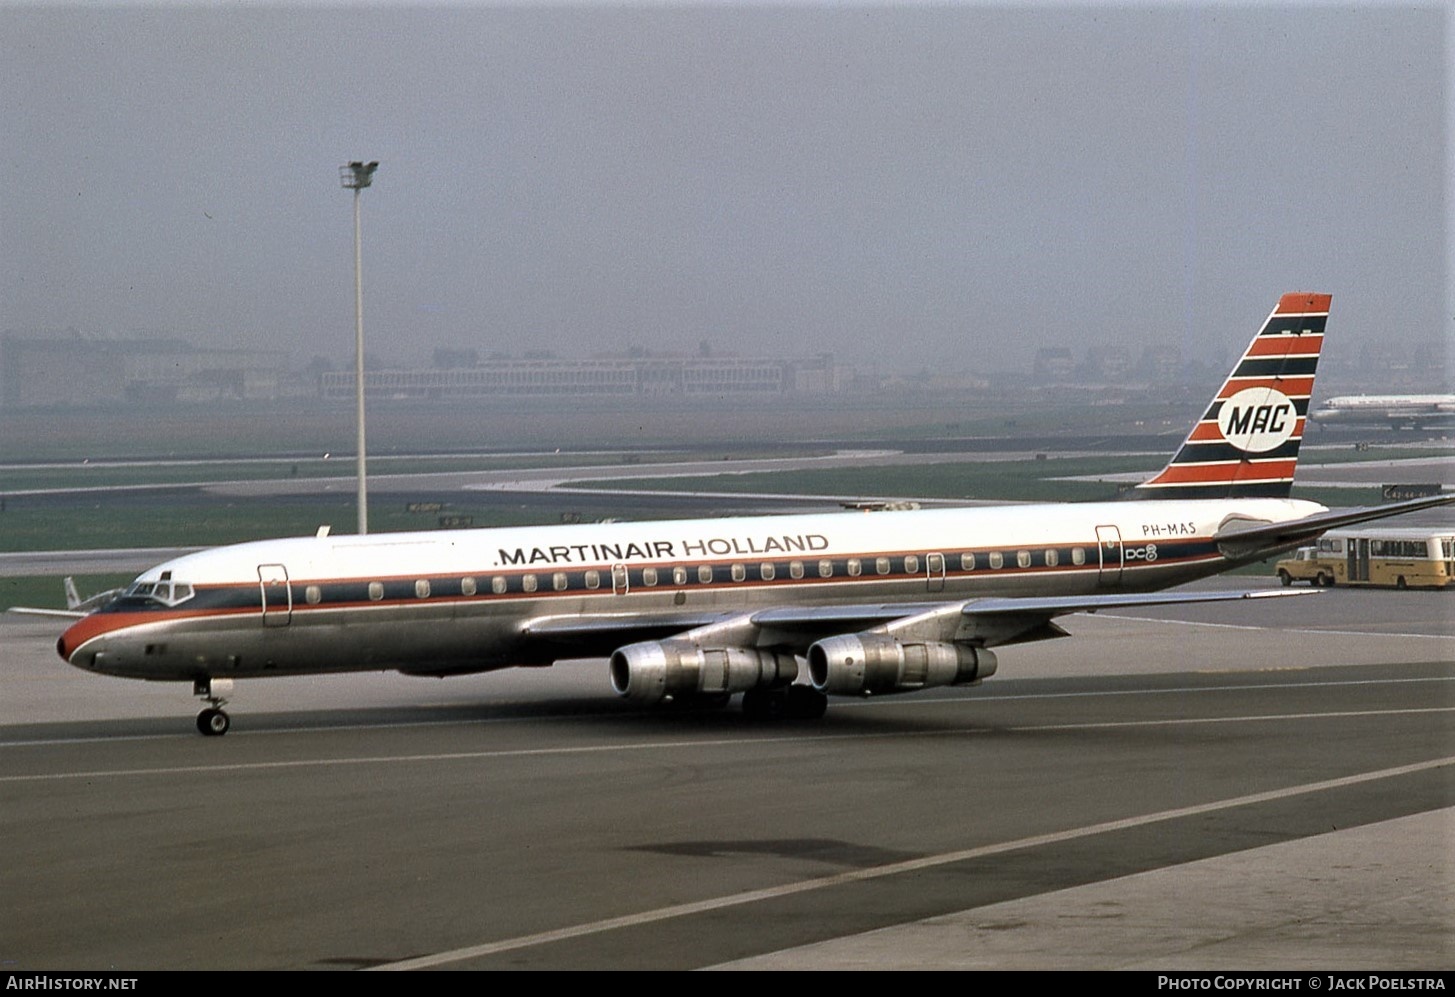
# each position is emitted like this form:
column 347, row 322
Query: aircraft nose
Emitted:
column 68, row 642
column 83, row 632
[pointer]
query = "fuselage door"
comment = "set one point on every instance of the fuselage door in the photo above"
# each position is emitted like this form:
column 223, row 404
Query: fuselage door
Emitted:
column 935, row 571
column 277, row 595
column 1110, row 554
column 620, row 579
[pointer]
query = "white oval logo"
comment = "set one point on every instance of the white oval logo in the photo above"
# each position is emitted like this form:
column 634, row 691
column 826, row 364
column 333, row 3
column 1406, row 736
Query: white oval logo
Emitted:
column 1257, row 419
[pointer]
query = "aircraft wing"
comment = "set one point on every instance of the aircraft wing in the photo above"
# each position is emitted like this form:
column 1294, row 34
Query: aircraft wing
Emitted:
column 987, row 622
column 1241, row 537
column 76, row 607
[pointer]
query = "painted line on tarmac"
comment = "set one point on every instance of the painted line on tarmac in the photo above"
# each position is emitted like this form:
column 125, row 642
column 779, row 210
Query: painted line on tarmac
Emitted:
column 798, row 739
column 851, row 704
column 892, row 869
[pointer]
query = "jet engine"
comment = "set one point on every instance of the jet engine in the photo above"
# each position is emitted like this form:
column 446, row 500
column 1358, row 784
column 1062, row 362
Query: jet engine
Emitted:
column 652, row 670
column 875, row 664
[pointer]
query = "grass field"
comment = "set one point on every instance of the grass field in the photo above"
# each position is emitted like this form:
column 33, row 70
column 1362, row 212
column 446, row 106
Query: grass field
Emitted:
column 1010, row 481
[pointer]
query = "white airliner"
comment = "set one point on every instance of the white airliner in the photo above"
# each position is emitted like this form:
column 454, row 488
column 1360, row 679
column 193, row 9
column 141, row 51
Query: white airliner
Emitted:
column 1394, row 411
column 876, row 603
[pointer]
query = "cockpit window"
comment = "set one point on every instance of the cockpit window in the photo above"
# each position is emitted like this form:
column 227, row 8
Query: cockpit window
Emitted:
column 166, row 593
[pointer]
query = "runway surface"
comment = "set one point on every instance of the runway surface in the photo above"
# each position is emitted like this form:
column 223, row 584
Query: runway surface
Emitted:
column 1269, row 786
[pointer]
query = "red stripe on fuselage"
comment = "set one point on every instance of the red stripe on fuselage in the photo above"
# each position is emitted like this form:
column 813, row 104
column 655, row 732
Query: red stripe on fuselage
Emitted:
column 99, row 624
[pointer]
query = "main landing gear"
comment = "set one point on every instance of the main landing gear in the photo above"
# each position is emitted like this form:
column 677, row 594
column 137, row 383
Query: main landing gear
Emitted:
column 213, row 721
column 794, row 702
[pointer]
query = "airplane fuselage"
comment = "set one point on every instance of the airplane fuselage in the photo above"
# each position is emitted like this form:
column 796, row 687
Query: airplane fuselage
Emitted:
column 474, row 600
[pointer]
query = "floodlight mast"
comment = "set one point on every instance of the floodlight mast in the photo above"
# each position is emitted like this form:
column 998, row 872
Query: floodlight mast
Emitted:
column 356, row 176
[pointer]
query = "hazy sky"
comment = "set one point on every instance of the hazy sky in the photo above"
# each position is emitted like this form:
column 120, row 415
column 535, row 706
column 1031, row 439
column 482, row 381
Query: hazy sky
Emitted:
column 954, row 185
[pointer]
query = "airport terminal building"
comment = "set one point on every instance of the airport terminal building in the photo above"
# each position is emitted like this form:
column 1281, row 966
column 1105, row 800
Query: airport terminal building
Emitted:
column 630, row 376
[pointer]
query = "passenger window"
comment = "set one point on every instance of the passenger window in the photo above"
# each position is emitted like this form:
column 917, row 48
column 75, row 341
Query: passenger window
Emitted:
column 795, row 569
column 1078, row 555
column 740, row 572
column 1023, row 558
column 528, row 583
column 679, row 576
column 826, row 568
column 593, row 579
column 911, row 564
column 997, row 559
column 649, row 576
column 766, row 571
column 856, row 567
column 704, row 573
column 313, row 595
column 1053, row 557
column 881, row 565
column 467, row 586
column 497, row 585
column 558, row 581
column 376, row 591
column 967, row 562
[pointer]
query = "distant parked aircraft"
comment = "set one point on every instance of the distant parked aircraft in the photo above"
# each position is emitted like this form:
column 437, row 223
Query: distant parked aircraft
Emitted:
column 1394, row 411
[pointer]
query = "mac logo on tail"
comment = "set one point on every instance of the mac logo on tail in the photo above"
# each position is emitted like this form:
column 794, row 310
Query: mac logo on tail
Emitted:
column 1257, row 420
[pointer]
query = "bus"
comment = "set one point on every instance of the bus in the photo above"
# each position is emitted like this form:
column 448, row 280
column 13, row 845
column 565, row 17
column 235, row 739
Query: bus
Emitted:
column 1407, row 558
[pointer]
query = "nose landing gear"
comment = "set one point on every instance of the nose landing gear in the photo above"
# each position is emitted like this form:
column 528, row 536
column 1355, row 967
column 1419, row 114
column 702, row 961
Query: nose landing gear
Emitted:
column 213, row 721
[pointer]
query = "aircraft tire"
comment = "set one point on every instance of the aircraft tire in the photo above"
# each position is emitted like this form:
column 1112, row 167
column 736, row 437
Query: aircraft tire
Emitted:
column 765, row 704
column 805, row 703
column 213, row 722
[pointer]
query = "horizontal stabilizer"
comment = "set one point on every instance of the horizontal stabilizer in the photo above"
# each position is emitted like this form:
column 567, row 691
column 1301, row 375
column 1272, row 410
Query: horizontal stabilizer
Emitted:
column 1238, row 537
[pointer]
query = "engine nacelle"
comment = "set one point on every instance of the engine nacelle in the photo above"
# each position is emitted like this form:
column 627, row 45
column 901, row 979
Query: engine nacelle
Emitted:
column 874, row 664
column 652, row 670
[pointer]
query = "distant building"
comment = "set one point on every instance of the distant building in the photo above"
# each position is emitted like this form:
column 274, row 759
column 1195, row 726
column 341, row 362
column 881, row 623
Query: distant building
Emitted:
column 67, row 368
column 1162, row 364
column 1054, row 365
column 1108, row 365
column 625, row 376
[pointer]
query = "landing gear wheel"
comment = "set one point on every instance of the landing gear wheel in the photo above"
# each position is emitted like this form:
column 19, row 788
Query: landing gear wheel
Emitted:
column 213, row 722
column 765, row 704
column 805, row 703
column 796, row 702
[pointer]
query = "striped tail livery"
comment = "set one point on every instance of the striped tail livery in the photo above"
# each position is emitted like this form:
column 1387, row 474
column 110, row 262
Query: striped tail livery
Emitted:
column 1246, row 444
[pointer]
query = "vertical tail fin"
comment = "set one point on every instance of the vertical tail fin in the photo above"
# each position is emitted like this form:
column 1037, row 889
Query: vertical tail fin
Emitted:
column 1246, row 444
